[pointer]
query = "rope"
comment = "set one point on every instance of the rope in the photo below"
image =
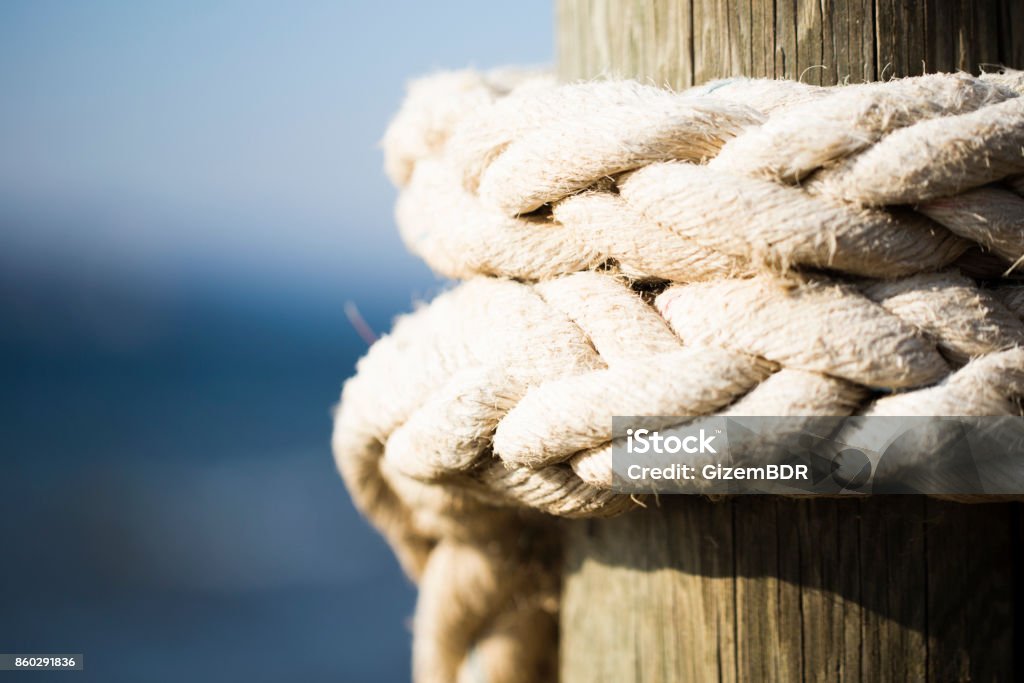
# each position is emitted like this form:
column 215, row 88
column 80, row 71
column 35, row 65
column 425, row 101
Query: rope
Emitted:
column 747, row 247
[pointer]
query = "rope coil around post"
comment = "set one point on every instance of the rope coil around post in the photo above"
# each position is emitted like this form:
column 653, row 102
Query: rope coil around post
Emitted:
column 748, row 247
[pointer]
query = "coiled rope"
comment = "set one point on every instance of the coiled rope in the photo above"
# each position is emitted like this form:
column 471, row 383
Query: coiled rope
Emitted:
column 748, row 247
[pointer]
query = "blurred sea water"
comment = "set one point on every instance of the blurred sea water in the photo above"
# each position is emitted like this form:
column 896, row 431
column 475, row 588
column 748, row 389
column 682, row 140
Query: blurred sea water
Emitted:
column 169, row 505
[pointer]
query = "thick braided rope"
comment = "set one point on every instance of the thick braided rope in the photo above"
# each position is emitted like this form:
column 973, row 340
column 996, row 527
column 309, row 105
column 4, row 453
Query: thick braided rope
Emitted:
column 745, row 248
column 797, row 185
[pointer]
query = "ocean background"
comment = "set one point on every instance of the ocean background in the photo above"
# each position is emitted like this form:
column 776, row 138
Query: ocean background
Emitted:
column 190, row 193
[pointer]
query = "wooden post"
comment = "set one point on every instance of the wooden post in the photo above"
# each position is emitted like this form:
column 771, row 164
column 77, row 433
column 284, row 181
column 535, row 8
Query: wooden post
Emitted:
column 897, row 588
column 680, row 43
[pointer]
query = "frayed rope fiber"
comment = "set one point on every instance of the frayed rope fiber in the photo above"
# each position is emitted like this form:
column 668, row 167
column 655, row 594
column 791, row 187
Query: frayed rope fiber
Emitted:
column 748, row 247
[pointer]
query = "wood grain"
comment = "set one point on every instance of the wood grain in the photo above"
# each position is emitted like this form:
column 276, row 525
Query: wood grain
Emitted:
column 680, row 43
column 898, row 588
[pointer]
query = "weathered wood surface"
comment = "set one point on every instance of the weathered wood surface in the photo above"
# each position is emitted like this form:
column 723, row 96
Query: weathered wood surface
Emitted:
column 679, row 43
column 770, row 589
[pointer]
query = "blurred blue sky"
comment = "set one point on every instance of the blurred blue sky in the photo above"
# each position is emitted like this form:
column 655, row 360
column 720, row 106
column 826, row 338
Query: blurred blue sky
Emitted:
column 189, row 193
column 224, row 139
